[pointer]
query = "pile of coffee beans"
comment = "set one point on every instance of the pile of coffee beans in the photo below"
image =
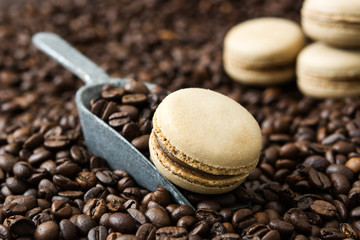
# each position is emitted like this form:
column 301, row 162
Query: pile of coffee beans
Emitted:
column 129, row 110
column 306, row 185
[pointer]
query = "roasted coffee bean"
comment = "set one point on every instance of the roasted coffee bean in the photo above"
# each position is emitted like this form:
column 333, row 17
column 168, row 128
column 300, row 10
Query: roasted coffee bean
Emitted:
column 331, row 233
column 146, row 231
column 242, row 219
column 217, row 229
column 41, row 218
column 132, row 111
column 298, row 219
column 227, row 236
column 162, row 196
column 130, row 131
column 29, row 202
column 284, row 228
column 20, row 225
column 141, row 143
column 138, row 216
column 135, row 99
column 171, row 233
column 79, row 154
column 83, row 223
column 47, row 230
column 119, row 119
column 97, row 233
column 135, row 87
column 95, row 208
column 5, row 232
column 323, row 208
column 122, row 222
column 106, row 177
column 319, row 180
column 22, row 170
column 61, row 209
column 67, row 169
column 182, row 211
column 16, row 186
column 14, row 209
column 64, row 183
column 96, row 192
column 209, row 204
column 7, row 162
column 318, row 162
column 340, row 183
column 338, row 168
column 186, row 222
column 262, row 217
column 158, row 217
column 353, row 164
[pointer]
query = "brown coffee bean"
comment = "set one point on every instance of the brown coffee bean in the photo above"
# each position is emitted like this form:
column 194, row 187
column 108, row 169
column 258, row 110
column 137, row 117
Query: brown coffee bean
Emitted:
column 119, row 119
column 353, row 164
column 83, row 223
column 242, row 219
column 61, row 209
column 97, row 233
column 136, row 99
column 182, row 211
column 7, row 162
column 20, row 225
column 136, row 87
column 114, row 94
column 47, row 230
column 122, row 222
column 132, row 111
column 186, row 222
column 138, row 216
column 331, row 233
column 319, row 180
column 227, row 236
column 95, row 208
column 146, row 231
column 340, row 183
column 323, row 208
column 171, row 233
column 86, row 180
column 298, row 219
column 141, row 143
column 158, row 217
column 5, row 232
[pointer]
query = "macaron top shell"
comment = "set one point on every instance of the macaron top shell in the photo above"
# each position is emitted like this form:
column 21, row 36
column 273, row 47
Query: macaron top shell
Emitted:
column 210, row 128
column 321, row 59
column 281, row 42
column 336, row 9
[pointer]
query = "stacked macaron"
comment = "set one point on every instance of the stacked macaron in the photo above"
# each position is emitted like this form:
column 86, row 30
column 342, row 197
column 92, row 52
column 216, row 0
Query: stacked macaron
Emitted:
column 331, row 66
column 204, row 141
column 262, row 51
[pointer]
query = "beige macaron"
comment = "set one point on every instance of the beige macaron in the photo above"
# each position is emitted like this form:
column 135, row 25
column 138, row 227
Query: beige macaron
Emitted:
column 336, row 22
column 324, row 71
column 262, row 51
column 204, row 141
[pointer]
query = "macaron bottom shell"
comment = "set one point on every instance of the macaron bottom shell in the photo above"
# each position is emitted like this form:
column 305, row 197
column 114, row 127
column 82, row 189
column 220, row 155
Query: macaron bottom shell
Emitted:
column 260, row 76
column 325, row 88
column 187, row 179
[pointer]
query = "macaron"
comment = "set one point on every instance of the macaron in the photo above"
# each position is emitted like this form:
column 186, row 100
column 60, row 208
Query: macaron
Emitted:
column 336, row 22
column 324, row 71
column 262, row 51
column 204, row 141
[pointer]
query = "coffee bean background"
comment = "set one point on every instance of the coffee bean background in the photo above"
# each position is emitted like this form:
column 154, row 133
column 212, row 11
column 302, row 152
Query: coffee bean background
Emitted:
column 306, row 185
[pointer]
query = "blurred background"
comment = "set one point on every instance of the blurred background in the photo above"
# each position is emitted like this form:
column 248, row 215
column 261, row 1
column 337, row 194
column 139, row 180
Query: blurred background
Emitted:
column 175, row 44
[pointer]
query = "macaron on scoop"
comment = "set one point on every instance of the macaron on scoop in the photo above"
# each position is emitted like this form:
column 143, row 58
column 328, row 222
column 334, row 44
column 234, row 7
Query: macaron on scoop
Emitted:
column 204, row 141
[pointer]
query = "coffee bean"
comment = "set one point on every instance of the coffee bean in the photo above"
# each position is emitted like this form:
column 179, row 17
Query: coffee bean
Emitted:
column 186, row 222
column 338, row 168
column 158, row 217
column 298, row 219
column 122, row 222
column 353, row 164
column 331, row 233
column 319, row 180
column 114, row 94
column 107, row 177
column 7, row 162
column 47, row 230
column 61, row 209
column 64, row 183
column 340, row 183
column 318, row 162
column 146, row 231
column 83, row 223
column 132, row 111
column 141, row 143
column 136, row 87
column 20, row 225
column 96, row 192
column 323, row 208
column 171, row 233
column 67, row 168
column 97, row 233
column 5, row 232
column 227, row 236
column 15, row 185
column 284, row 228
column 119, row 119
column 182, row 211
column 39, row 155
column 242, row 219
column 95, row 208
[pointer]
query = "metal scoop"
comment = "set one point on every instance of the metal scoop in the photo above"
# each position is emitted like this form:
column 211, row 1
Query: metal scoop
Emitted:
column 100, row 138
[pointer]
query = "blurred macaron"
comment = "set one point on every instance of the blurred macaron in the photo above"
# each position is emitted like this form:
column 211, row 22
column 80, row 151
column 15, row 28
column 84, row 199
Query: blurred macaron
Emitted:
column 335, row 22
column 262, row 51
column 327, row 72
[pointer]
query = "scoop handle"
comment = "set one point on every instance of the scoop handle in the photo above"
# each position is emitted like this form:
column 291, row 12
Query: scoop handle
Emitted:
column 70, row 58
